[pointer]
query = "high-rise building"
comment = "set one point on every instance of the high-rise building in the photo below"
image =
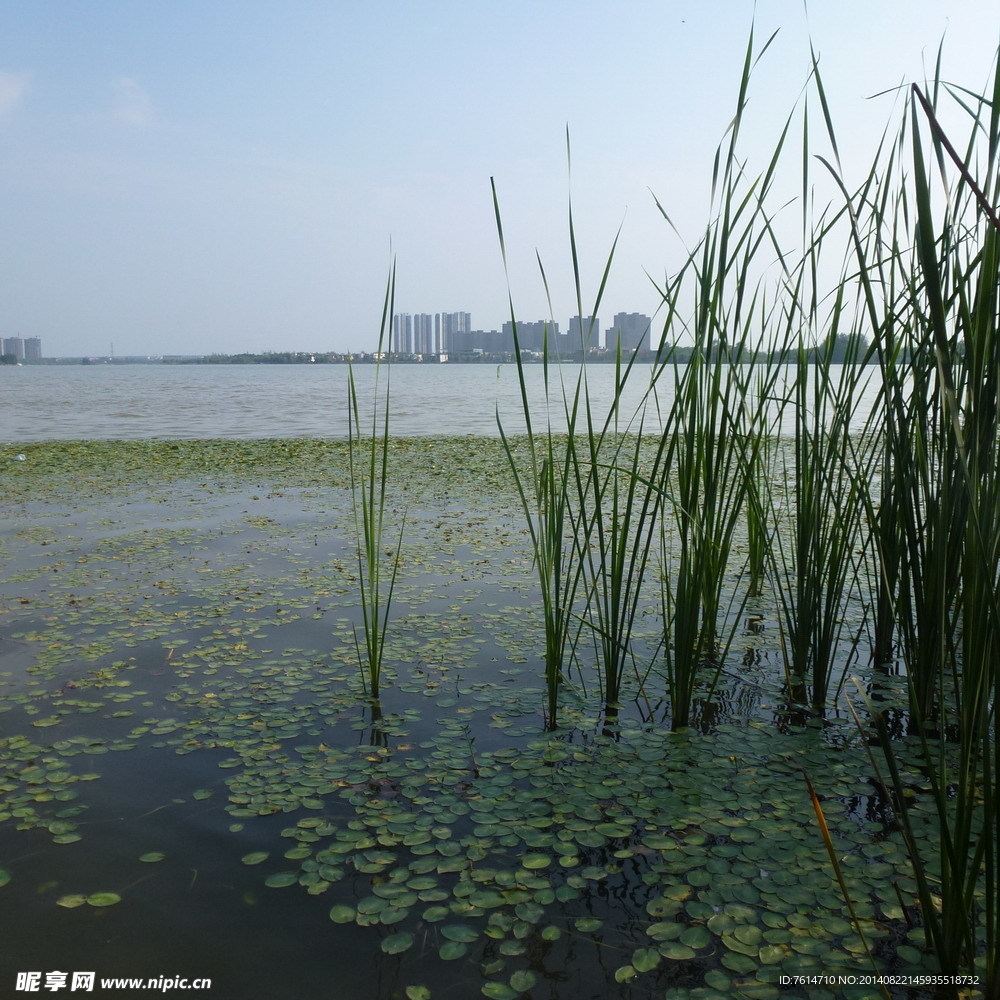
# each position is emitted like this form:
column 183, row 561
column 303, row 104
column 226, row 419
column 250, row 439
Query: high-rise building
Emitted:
column 402, row 333
column 532, row 336
column 13, row 346
column 423, row 334
column 585, row 333
column 448, row 327
column 631, row 330
column 32, row 349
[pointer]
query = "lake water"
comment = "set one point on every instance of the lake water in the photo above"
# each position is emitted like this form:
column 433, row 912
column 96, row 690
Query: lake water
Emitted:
column 48, row 402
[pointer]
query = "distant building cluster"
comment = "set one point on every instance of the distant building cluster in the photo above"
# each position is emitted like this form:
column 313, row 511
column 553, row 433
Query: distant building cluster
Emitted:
column 21, row 348
column 427, row 334
column 444, row 334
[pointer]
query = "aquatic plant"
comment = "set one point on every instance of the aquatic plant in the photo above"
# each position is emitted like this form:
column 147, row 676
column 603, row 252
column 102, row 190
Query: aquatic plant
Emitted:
column 545, row 492
column 824, row 473
column 713, row 432
column 937, row 333
column 369, row 471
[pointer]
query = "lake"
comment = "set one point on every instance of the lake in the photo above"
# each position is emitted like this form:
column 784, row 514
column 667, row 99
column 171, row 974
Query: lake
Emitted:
column 195, row 783
column 49, row 402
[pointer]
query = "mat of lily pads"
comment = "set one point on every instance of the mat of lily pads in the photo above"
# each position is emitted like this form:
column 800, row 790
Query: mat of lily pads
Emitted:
column 192, row 783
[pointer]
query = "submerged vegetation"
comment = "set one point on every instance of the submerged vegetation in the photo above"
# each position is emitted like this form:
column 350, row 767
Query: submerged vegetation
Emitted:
column 720, row 708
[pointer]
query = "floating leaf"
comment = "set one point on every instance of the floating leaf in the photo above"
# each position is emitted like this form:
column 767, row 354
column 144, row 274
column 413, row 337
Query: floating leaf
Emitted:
column 523, row 980
column 536, row 861
column 696, row 937
column 585, row 925
column 152, row 856
column 646, row 959
column 281, row 879
column 675, row 951
column 418, row 993
column 255, row 858
column 396, row 943
column 103, row 898
column 452, row 949
column 71, row 902
column 459, row 932
column 342, row 913
column 499, row 991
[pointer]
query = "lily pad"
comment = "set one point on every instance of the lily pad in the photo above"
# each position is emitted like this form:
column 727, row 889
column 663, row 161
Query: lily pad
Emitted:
column 103, row 898
column 451, row 950
column 460, row 932
column 396, row 943
column 499, row 991
column 523, row 980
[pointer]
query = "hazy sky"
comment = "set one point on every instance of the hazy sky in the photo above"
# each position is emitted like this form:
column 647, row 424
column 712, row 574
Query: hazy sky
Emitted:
column 196, row 176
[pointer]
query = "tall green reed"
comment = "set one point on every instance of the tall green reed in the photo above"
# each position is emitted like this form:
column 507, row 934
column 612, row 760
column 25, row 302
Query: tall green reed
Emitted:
column 818, row 561
column 928, row 254
column 545, row 492
column 617, row 511
column 369, row 469
column 713, row 431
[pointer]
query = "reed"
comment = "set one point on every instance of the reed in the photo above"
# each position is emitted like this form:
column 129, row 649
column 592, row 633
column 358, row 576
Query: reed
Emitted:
column 932, row 302
column 369, row 471
column 818, row 560
column 900, row 520
column 617, row 510
column 545, row 491
column 714, row 432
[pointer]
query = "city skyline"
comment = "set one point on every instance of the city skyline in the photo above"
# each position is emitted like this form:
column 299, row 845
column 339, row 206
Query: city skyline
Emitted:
column 452, row 333
column 21, row 348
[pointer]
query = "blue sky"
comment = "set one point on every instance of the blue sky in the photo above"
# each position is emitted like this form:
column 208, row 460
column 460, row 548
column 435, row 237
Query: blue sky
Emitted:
column 182, row 176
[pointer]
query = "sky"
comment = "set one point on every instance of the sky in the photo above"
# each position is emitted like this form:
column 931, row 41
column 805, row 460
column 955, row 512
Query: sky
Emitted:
column 190, row 177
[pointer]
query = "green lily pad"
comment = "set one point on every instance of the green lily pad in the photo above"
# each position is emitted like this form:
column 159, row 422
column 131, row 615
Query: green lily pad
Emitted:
column 152, row 856
column 536, row 861
column 451, row 950
column 460, row 932
column 103, row 898
column 675, row 951
column 523, row 980
column 499, row 991
column 255, row 858
column 646, row 959
column 72, row 901
column 280, row 879
column 696, row 937
column 396, row 943
column 342, row 913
